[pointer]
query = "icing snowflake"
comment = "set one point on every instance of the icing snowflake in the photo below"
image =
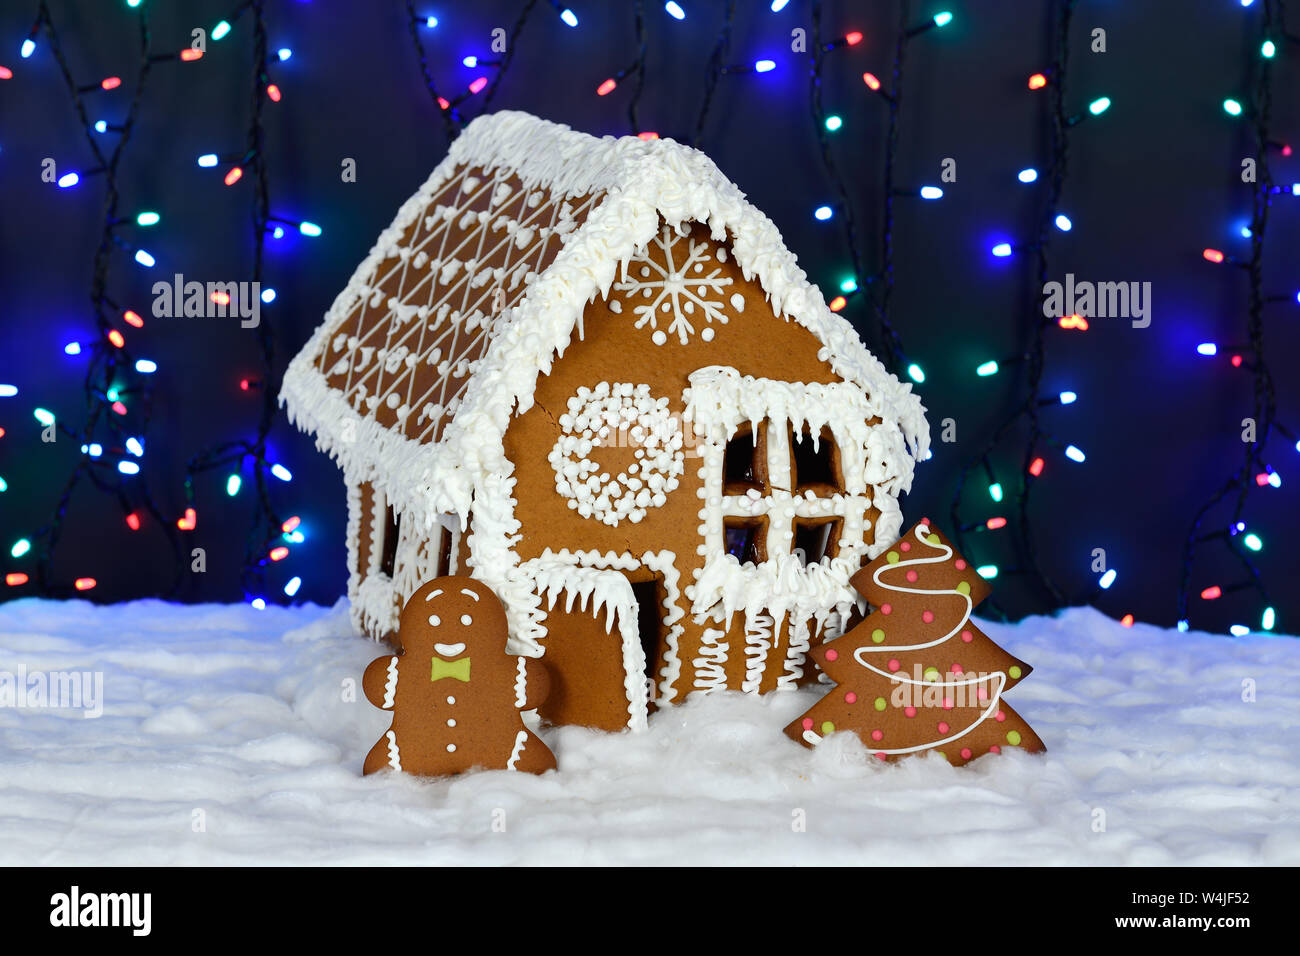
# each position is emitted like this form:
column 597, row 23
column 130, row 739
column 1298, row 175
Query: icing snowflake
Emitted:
column 681, row 285
column 619, row 415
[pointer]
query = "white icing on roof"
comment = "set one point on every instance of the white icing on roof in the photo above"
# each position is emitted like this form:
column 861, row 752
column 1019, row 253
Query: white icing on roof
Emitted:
column 642, row 181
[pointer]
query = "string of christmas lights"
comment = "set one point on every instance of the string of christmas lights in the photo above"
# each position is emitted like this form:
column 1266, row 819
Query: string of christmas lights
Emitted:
column 453, row 118
column 269, row 535
column 118, row 395
column 878, row 286
column 635, row 69
column 114, row 436
column 1255, row 473
column 1038, row 439
column 716, row 65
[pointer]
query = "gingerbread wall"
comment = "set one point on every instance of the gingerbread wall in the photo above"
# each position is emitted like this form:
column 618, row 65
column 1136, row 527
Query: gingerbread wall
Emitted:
column 731, row 324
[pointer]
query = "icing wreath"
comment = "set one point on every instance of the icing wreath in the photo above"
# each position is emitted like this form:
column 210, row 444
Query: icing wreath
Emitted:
column 617, row 415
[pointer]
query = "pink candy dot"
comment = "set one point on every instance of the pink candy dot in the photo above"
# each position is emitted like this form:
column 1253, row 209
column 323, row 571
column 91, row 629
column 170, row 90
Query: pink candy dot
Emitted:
column 982, row 694
column 967, row 636
column 877, row 735
column 948, row 704
column 893, row 664
column 911, row 577
column 832, row 654
column 965, row 753
column 1000, row 717
column 943, row 727
column 882, row 756
column 927, row 616
column 850, row 698
column 807, row 723
column 885, row 609
column 905, row 546
column 995, row 749
column 960, row 565
column 956, row 669
column 909, row 711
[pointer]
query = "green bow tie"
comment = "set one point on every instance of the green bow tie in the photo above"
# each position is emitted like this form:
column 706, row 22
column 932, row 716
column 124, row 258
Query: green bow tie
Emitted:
column 457, row 670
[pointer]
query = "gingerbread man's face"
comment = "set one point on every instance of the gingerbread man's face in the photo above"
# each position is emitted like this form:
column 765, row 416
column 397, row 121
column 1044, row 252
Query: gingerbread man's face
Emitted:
column 450, row 619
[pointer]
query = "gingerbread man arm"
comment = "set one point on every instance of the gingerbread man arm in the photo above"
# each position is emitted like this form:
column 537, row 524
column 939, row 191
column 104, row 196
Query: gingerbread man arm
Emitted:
column 536, row 683
column 380, row 681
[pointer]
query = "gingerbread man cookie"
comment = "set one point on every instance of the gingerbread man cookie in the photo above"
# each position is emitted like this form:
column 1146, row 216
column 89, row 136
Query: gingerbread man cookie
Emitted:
column 454, row 692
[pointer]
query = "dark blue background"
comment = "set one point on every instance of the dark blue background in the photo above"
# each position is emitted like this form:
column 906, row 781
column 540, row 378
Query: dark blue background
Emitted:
column 1150, row 183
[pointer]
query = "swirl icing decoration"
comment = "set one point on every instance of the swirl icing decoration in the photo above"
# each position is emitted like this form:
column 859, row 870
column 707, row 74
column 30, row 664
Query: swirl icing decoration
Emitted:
column 917, row 674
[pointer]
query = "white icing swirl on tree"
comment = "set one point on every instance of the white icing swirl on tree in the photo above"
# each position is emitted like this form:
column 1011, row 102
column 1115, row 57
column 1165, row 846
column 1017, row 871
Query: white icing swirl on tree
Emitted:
column 621, row 415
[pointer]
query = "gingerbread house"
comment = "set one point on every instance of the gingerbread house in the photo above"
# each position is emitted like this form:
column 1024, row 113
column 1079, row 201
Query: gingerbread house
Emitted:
column 588, row 373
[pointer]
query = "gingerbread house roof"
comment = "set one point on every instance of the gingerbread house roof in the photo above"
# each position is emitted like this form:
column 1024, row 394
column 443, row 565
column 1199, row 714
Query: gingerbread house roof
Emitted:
column 481, row 281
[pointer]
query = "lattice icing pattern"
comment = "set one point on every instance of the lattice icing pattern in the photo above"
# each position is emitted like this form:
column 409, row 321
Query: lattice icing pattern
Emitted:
column 442, row 288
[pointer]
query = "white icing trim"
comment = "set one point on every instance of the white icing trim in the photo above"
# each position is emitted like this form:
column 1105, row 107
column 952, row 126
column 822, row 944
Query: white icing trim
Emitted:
column 394, row 755
column 517, row 751
column 354, row 550
column 390, row 686
column 376, row 604
column 591, row 576
column 664, row 563
column 613, row 415
column 521, row 684
column 709, row 671
column 762, row 631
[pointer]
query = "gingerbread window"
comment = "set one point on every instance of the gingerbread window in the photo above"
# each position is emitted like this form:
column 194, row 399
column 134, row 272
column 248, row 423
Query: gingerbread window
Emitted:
column 760, row 478
column 815, row 461
column 746, row 539
column 785, row 470
column 816, row 540
column 744, row 461
column 448, row 545
column 388, row 544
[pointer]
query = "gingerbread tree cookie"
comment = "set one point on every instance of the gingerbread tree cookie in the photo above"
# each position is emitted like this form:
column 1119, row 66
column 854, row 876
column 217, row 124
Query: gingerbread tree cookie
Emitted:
column 454, row 692
column 916, row 674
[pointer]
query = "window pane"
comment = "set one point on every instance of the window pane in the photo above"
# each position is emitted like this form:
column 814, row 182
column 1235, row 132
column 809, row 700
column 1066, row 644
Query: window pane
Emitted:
column 816, row 468
column 388, row 555
column 743, row 462
column 744, row 539
column 816, row 541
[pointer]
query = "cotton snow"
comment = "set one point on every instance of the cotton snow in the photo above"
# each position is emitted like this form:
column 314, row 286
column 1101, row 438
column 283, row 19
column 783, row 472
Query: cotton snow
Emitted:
column 235, row 736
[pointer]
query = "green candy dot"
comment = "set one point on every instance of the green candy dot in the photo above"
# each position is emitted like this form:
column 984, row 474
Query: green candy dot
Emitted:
column 879, row 703
column 933, row 539
column 892, row 557
column 878, row 636
column 963, row 587
column 828, row 727
column 932, row 673
column 1014, row 671
column 1013, row 738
